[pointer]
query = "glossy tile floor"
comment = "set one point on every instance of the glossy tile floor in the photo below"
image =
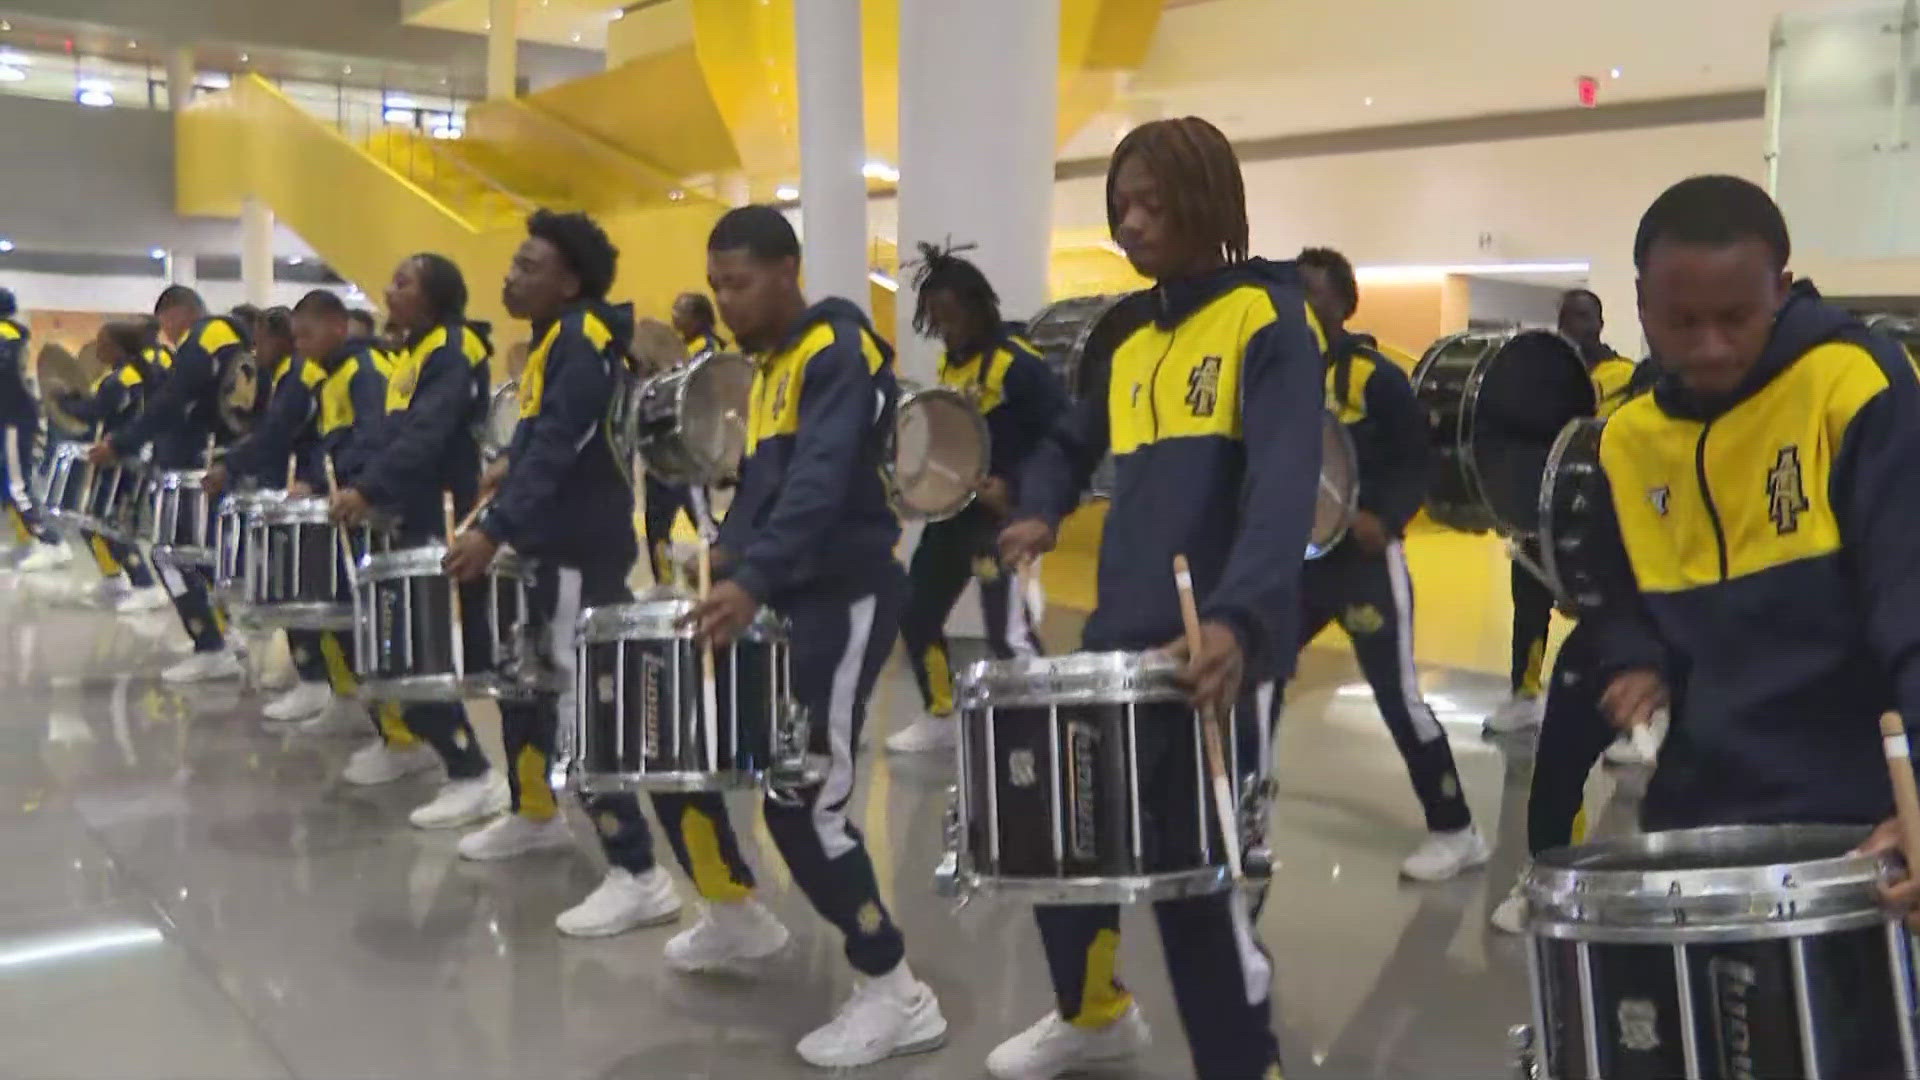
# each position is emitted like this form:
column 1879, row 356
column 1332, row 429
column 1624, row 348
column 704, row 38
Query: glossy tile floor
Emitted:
column 188, row 896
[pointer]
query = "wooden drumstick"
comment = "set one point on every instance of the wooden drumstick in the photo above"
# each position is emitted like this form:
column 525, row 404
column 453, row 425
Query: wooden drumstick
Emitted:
column 1906, row 797
column 292, row 468
column 212, row 440
column 340, row 534
column 1223, row 805
column 453, row 592
column 474, row 514
column 709, row 696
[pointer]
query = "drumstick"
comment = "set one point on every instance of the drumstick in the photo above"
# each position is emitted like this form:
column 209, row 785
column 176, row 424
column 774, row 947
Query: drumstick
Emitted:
column 291, row 459
column 1647, row 737
column 340, row 534
column 474, row 514
column 1223, row 807
column 709, row 697
column 1906, row 798
column 453, row 593
column 88, row 487
column 212, row 439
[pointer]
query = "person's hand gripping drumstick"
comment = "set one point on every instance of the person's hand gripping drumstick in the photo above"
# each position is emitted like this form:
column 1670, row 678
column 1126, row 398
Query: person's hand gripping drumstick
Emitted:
column 1635, row 702
column 470, row 552
column 1901, row 832
column 1197, row 651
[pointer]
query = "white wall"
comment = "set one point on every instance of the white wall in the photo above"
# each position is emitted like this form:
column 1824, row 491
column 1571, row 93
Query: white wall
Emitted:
column 132, row 295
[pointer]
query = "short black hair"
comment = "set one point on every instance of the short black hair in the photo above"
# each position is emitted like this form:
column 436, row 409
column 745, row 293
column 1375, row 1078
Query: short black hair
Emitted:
column 174, row 296
column 701, row 305
column 1584, row 294
column 1716, row 210
column 246, row 314
column 942, row 268
column 763, row 231
column 444, row 285
column 9, row 306
column 583, row 246
column 1339, row 274
column 364, row 320
column 277, row 321
column 322, row 303
column 129, row 337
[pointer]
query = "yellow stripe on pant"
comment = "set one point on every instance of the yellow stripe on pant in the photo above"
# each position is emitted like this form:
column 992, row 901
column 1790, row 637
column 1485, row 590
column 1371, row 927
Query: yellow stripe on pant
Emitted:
column 103, row 556
column 1102, row 1001
column 536, row 791
column 21, row 533
column 1530, row 686
column 939, row 681
column 710, row 874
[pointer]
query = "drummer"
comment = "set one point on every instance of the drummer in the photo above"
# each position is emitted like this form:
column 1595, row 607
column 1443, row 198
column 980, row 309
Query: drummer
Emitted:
column 1021, row 399
column 437, row 396
column 180, row 422
column 693, row 320
column 566, row 506
column 810, row 535
column 1363, row 582
column 1762, row 520
column 1212, row 412
column 19, row 422
column 118, row 396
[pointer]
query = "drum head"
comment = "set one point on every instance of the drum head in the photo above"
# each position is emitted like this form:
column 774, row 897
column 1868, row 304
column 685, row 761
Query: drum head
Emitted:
column 712, row 410
column 58, row 373
column 1339, row 487
column 1570, row 487
column 940, row 454
column 657, row 348
column 1071, row 332
column 243, row 391
column 503, row 416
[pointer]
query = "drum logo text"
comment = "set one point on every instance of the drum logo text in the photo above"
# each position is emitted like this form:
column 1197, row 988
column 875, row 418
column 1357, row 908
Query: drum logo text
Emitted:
column 1203, row 387
column 1733, row 983
column 1786, row 495
column 1639, row 1025
column 1020, row 768
column 1083, row 749
column 650, row 666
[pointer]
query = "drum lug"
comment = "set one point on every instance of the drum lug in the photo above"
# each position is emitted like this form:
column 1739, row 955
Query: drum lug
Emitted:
column 1525, row 1064
column 946, row 874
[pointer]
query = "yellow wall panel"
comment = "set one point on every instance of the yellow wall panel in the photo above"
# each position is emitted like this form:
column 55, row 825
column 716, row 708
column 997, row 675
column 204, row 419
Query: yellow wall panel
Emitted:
column 682, row 134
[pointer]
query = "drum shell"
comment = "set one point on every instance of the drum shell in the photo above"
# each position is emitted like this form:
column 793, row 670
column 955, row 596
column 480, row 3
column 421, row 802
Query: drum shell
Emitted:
column 409, row 646
column 639, row 709
column 965, row 452
column 301, row 580
column 1571, row 489
column 234, row 581
column 99, row 499
column 175, row 518
column 671, row 443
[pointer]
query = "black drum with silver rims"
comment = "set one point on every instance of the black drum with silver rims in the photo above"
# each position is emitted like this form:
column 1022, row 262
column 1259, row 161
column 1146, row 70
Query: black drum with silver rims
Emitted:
column 1339, row 494
column 1495, row 401
column 692, row 420
column 643, row 720
column 1724, row 953
column 1571, row 488
column 1058, row 758
column 941, row 450
column 76, row 495
column 175, row 517
column 300, row 578
column 418, row 637
column 235, row 580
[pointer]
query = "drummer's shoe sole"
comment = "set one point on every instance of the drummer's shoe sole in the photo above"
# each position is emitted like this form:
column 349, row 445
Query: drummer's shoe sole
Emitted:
column 204, row 667
column 1514, row 714
column 304, row 700
column 624, row 901
column 1447, row 855
column 729, row 937
column 510, row 836
column 925, row 735
column 1053, row 1047
column 463, row 802
column 887, row 1016
column 379, row 763
column 45, row 557
column 140, row 601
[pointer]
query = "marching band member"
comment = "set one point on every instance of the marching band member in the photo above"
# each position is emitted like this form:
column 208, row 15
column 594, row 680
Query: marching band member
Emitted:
column 19, row 424
column 436, row 397
column 693, row 320
column 118, row 395
column 1759, row 521
column 179, row 422
column 565, row 504
column 810, row 535
column 1212, row 414
column 1021, row 399
column 1363, row 582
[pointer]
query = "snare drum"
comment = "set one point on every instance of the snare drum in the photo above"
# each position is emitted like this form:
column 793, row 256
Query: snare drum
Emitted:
column 693, row 419
column 299, row 578
column 1744, row 951
column 941, row 450
column 410, row 646
column 1495, row 403
column 1057, row 756
column 640, row 719
column 76, row 495
column 175, row 518
column 234, row 582
column 503, row 418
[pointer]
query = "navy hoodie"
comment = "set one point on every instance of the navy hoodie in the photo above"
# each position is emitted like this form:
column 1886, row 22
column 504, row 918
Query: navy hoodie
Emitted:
column 1018, row 394
column 811, row 515
column 1211, row 408
column 288, row 429
column 1374, row 399
column 436, row 402
column 185, row 412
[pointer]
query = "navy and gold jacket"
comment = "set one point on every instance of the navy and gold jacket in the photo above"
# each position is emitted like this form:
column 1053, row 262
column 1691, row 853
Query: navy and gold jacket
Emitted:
column 701, row 344
column 1211, row 408
column 353, row 402
column 567, row 496
column 436, row 402
column 185, row 411
column 16, row 401
column 1770, row 536
column 1374, row 399
column 117, row 397
column 811, row 514
column 288, row 429
column 1018, row 394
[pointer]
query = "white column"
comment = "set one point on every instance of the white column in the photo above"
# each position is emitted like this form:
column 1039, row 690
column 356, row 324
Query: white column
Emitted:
column 833, row 194
column 256, row 252
column 503, row 49
column 978, row 166
column 180, row 72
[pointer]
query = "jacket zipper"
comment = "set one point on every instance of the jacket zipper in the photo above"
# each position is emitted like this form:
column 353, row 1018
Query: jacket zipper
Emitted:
column 1706, row 495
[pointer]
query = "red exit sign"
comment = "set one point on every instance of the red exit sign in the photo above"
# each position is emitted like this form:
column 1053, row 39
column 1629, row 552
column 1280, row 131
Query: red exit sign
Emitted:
column 1588, row 88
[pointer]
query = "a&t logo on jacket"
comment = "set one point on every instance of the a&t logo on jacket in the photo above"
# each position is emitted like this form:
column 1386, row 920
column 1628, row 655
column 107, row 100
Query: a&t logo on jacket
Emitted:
column 1786, row 495
column 1203, row 387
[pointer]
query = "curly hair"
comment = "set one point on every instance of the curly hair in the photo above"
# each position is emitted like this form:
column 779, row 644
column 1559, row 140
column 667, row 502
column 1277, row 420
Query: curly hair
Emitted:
column 583, row 246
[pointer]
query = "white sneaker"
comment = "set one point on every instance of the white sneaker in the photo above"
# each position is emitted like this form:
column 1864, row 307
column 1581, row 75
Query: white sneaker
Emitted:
column 378, row 763
column 1053, row 1047
column 726, row 936
column 105, row 595
column 624, row 901
column 464, row 802
column 1623, row 752
column 302, row 701
column 141, row 601
column 925, row 735
column 1510, row 916
column 204, row 667
column 1515, row 714
column 341, row 716
column 887, row 1016
column 511, row 835
column 45, row 557
column 1446, row 855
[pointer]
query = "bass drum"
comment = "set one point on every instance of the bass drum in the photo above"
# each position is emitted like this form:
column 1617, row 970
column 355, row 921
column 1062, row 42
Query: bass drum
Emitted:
column 941, row 450
column 1339, row 494
column 1571, row 488
column 1495, row 402
column 58, row 375
column 1077, row 338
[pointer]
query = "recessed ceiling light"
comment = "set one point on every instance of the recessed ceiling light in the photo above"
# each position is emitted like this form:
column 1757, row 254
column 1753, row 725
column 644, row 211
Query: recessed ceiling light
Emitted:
column 5, row 246
column 244, row 58
column 11, row 74
column 94, row 99
column 881, row 171
column 786, row 193
column 158, row 253
column 618, row 14
column 131, row 44
column 1367, row 101
column 14, row 59
column 576, row 37
column 213, row 80
column 347, row 69
column 6, row 27
column 1615, row 73
column 295, row 260
column 487, row 25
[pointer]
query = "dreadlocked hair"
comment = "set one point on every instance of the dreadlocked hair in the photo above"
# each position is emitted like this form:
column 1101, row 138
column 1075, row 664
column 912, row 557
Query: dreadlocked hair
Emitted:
column 1198, row 174
column 942, row 269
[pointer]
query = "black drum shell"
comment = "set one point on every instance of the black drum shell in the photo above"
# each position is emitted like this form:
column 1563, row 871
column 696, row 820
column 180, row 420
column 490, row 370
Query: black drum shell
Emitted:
column 640, row 709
